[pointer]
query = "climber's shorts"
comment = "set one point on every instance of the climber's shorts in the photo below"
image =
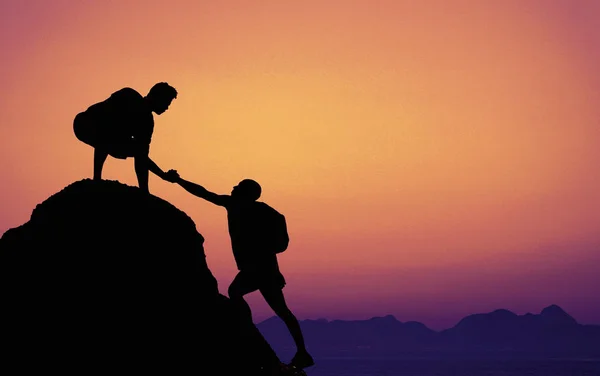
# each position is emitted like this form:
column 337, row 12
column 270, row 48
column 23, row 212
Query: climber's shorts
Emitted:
column 248, row 280
column 106, row 138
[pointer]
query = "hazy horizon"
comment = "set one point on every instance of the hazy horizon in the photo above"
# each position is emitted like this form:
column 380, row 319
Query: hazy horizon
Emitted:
column 440, row 323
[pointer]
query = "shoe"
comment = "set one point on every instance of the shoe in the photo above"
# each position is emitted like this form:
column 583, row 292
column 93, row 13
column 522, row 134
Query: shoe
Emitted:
column 290, row 370
column 280, row 369
column 302, row 360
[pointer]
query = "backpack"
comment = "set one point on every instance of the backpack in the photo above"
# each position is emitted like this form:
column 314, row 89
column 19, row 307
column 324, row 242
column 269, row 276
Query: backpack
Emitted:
column 274, row 234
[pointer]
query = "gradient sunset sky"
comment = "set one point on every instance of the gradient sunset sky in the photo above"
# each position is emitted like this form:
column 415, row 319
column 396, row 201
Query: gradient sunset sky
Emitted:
column 433, row 158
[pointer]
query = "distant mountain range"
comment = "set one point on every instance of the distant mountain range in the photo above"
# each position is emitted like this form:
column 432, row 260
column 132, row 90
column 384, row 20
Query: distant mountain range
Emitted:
column 498, row 334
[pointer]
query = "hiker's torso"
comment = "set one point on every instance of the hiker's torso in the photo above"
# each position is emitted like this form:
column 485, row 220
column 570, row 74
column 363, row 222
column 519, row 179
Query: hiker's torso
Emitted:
column 125, row 113
column 243, row 223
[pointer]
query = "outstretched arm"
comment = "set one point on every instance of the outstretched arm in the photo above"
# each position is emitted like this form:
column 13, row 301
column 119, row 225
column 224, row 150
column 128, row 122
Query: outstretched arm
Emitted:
column 155, row 169
column 143, row 164
column 199, row 191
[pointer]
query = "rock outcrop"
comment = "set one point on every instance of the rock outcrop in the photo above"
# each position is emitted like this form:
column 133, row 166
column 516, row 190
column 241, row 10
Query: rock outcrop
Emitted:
column 106, row 278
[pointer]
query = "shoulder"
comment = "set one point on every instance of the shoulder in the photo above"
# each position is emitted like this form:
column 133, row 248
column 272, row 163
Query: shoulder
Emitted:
column 127, row 93
column 263, row 207
column 259, row 205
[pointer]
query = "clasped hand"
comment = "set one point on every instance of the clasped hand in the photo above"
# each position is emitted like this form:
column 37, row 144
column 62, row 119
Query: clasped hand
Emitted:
column 172, row 176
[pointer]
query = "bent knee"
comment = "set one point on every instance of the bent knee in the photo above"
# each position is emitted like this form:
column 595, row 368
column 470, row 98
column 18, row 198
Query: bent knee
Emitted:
column 84, row 130
column 79, row 127
column 234, row 292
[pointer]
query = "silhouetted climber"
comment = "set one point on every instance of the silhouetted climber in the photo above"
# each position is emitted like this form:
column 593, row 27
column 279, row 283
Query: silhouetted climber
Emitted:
column 258, row 267
column 122, row 125
column 142, row 297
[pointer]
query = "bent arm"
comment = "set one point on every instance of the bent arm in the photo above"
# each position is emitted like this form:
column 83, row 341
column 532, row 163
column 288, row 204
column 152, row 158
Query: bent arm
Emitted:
column 199, row 191
column 155, row 169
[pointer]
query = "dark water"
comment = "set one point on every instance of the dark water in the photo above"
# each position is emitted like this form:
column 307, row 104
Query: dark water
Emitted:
column 402, row 367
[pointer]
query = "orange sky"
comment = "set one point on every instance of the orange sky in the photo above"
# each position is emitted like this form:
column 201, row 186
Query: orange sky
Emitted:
column 433, row 158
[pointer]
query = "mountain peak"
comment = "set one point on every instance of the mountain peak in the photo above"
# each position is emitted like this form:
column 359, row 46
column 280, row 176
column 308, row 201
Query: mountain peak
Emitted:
column 504, row 313
column 554, row 315
column 386, row 318
column 553, row 308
